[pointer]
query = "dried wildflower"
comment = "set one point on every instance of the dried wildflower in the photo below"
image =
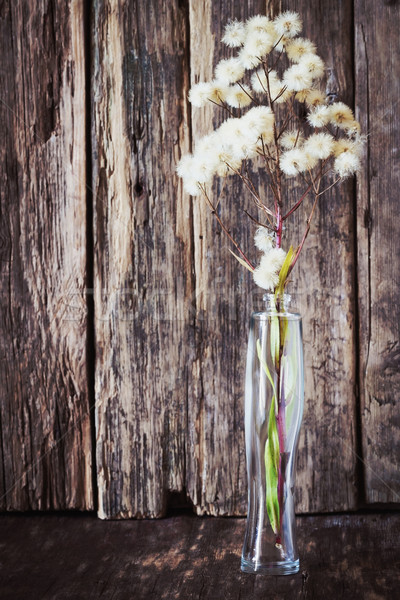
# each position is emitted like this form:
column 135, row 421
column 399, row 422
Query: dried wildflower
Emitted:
column 346, row 164
column 229, row 70
column 341, row 115
column 248, row 59
column 266, row 275
column 320, row 116
column 347, row 145
column 263, row 239
column 239, row 96
column 297, row 78
column 291, row 138
column 298, row 47
column 313, row 65
column 319, row 145
column 288, row 24
column 200, row 93
column 270, row 135
column 314, row 98
column 234, row 34
column 259, row 44
column 260, row 24
column 259, row 121
column 293, row 162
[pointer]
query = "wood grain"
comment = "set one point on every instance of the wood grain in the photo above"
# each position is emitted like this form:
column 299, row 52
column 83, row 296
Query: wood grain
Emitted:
column 378, row 258
column 45, row 439
column 64, row 558
column 323, row 291
column 143, row 271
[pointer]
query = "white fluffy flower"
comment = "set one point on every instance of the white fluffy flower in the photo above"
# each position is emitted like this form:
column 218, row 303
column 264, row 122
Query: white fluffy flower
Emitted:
column 184, row 167
column 288, row 24
column 239, row 96
column 259, row 23
column 297, row 78
column 293, row 162
column 263, row 239
column 345, row 145
column 313, row 64
column 297, row 48
column 341, row 115
column 200, row 93
column 259, row 121
column 319, row 145
column 315, row 98
column 248, row 59
column 291, row 138
column 259, row 44
column 266, row 275
column 234, row 34
column 346, row 164
column 229, row 70
column 320, row 116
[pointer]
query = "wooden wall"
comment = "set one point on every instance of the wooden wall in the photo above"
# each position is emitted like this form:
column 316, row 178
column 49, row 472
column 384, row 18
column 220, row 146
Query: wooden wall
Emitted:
column 123, row 318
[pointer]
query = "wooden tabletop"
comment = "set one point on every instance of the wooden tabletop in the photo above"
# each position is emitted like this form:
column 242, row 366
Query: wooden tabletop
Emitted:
column 77, row 556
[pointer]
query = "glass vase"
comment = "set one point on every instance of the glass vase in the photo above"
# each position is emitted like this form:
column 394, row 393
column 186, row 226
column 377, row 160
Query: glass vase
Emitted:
column 274, row 399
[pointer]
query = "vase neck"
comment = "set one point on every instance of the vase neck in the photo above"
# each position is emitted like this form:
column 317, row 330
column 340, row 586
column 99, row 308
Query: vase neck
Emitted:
column 278, row 304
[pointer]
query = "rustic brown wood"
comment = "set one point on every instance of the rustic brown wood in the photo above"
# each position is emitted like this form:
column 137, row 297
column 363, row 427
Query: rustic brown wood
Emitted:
column 45, row 440
column 143, row 273
column 216, row 469
column 378, row 258
column 59, row 557
column 323, row 290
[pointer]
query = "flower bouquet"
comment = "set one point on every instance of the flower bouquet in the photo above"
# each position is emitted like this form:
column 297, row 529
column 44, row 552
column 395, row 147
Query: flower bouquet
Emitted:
column 280, row 120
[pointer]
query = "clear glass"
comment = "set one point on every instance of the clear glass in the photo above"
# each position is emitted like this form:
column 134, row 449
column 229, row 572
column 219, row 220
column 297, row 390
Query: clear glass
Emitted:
column 274, row 400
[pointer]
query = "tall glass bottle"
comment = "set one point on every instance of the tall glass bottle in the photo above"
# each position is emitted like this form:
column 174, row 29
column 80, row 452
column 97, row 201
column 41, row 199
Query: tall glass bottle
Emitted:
column 274, row 399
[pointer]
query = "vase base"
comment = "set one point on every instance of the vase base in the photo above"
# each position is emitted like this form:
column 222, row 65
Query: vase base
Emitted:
column 287, row 567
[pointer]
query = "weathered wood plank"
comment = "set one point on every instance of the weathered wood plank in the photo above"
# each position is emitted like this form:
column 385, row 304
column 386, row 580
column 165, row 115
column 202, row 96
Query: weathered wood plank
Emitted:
column 45, row 443
column 63, row 558
column 377, row 95
column 216, row 468
column 143, row 272
column 323, row 292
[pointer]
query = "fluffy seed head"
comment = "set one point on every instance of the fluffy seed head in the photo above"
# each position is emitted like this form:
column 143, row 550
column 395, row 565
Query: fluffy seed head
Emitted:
column 229, row 70
column 200, row 93
column 234, row 34
column 239, row 96
column 315, row 98
column 346, row 164
column 319, row 145
column 293, row 162
column 320, row 116
column 259, row 44
column 341, row 115
column 297, row 48
column 260, row 23
column 263, row 239
column 248, row 59
column 288, row 24
column 259, row 121
column 291, row 138
column 313, row 64
column 297, row 78
column 266, row 275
